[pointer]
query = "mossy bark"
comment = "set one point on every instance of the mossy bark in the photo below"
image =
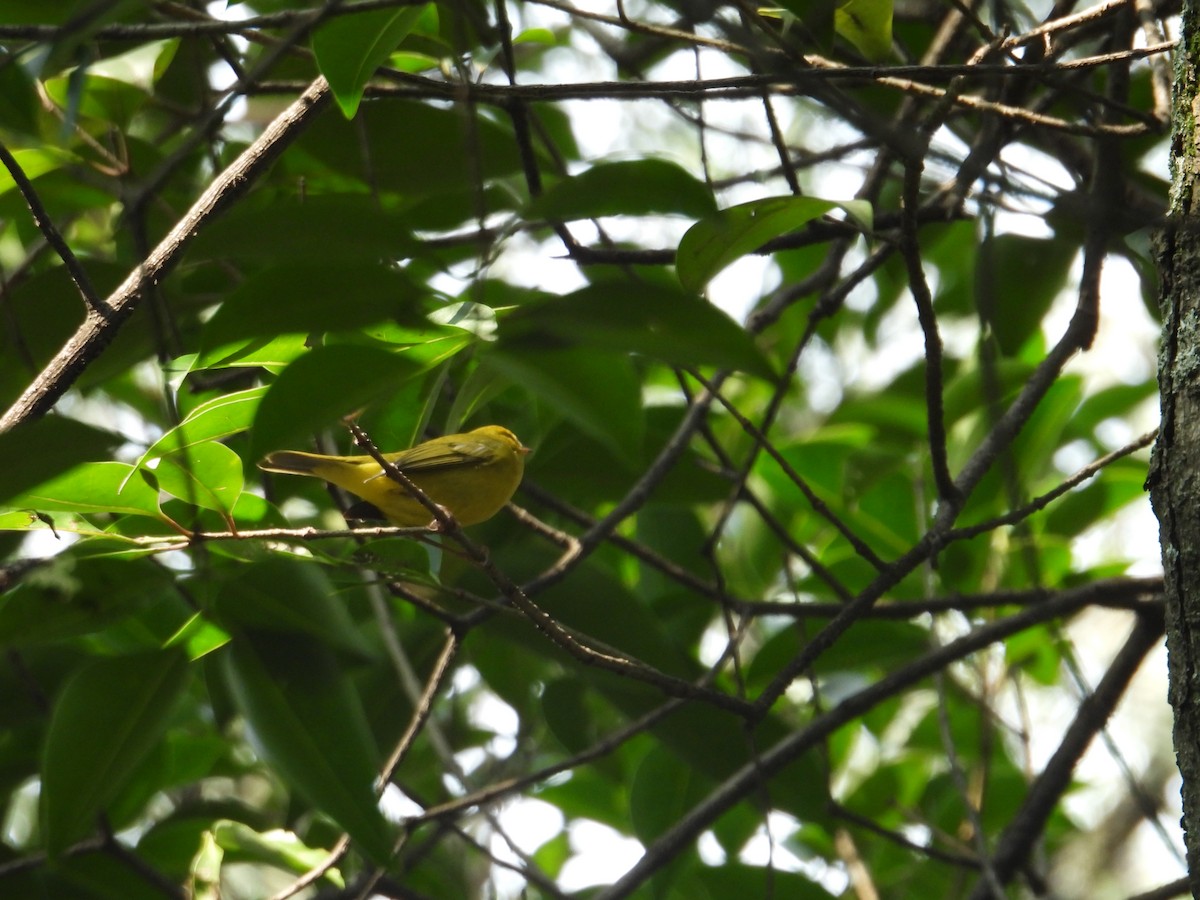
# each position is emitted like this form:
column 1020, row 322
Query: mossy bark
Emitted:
column 1175, row 468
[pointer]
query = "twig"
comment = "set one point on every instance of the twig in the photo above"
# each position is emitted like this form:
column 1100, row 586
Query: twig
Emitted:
column 53, row 237
column 1041, row 502
column 741, row 783
column 819, row 506
column 1024, row 829
column 543, row 621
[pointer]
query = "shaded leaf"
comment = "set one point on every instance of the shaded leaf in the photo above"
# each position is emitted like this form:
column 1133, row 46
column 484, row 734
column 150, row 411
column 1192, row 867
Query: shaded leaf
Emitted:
column 626, row 188
column 320, row 387
column 598, row 392
column 716, row 241
column 33, row 452
column 675, row 326
column 117, row 709
column 325, row 227
column 288, row 595
column 71, row 596
column 301, row 298
column 1019, row 278
column 310, row 726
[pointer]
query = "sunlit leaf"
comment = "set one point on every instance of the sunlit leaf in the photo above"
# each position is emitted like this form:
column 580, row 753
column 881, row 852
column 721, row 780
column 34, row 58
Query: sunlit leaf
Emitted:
column 212, row 420
column 867, row 24
column 716, row 241
column 103, row 487
column 350, row 48
column 207, row 475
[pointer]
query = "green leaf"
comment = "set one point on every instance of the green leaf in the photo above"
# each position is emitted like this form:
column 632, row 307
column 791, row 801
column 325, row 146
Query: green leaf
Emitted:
column 72, row 595
column 278, row 849
column 103, row 487
column 310, row 725
column 320, row 387
column 408, row 61
column 289, row 595
column 662, row 791
column 324, row 227
column 565, row 452
column 627, row 188
column 35, row 163
column 599, row 392
column 112, row 90
column 968, row 394
column 272, row 354
column 817, row 16
column 733, row 879
column 302, row 298
column 1120, row 483
column 565, row 710
column 141, row 67
column 717, row 240
column 1019, row 278
column 210, row 421
column 867, row 24
column 208, row 475
column 350, row 48
column 34, row 452
column 109, row 716
column 1113, row 402
column 536, row 36
column 18, row 101
column 675, row 326
column 426, row 149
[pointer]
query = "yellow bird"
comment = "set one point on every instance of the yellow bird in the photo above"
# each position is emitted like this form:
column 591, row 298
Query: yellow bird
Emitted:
column 469, row 475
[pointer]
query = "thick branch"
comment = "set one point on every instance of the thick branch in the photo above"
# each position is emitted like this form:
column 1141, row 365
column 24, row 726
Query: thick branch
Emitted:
column 100, row 326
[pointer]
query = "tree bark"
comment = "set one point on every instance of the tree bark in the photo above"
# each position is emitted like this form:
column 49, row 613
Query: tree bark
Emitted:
column 1175, row 468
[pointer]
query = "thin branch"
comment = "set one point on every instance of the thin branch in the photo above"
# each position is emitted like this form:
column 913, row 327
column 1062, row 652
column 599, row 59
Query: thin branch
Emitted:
column 1177, row 888
column 1025, row 828
column 961, row 860
column 423, row 709
column 735, row 788
column 53, row 237
column 790, row 84
column 153, row 31
column 1116, row 594
column 819, row 506
column 1041, row 502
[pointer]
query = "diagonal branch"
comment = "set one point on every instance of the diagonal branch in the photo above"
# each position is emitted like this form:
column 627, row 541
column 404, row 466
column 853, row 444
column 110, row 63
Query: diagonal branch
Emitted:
column 744, row 781
column 101, row 324
column 1025, row 828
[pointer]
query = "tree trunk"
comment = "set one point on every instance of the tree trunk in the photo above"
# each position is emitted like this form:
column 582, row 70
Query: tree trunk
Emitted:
column 1175, row 469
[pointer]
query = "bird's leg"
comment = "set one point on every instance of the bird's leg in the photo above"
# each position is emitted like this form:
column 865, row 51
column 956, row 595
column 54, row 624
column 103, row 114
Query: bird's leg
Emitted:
column 437, row 524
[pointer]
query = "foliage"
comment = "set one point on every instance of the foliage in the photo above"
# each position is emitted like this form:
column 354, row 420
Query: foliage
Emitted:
column 799, row 537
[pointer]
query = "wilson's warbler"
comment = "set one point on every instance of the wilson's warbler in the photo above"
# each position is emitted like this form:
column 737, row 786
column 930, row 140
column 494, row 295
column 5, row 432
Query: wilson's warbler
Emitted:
column 469, row 475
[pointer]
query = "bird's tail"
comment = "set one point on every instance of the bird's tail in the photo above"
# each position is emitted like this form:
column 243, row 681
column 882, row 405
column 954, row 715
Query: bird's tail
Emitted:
column 292, row 462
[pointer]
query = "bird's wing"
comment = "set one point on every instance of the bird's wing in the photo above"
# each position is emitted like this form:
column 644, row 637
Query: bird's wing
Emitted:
column 444, row 454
